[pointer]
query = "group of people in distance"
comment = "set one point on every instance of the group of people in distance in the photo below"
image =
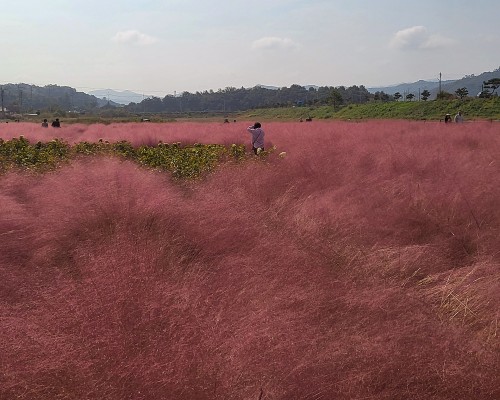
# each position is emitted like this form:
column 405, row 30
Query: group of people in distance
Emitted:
column 257, row 132
column 458, row 118
column 55, row 124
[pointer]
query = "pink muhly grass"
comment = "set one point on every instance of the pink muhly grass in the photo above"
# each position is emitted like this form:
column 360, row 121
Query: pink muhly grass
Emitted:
column 362, row 265
column 136, row 133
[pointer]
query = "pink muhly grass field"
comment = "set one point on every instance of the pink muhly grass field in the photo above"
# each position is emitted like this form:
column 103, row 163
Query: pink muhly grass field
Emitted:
column 136, row 133
column 364, row 264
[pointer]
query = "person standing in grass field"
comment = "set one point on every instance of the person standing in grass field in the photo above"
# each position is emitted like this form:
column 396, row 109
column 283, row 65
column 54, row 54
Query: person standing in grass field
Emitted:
column 257, row 137
column 459, row 118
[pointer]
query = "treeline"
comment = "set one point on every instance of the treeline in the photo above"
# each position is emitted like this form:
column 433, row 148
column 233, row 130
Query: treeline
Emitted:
column 25, row 98
column 232, row 99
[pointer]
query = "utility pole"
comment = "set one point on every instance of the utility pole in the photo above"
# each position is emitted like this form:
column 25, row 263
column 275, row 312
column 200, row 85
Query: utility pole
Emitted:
column 440, row 84
column 20, row 101
column 1, row 94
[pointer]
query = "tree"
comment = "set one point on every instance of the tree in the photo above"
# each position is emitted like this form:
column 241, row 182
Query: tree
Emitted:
column 335, row 98
column 397, row 96
column 381, row 96
column 410, row 96
column 484, row 94
column 425, row 95
column 462, row 92
column 444, row 96
column 492, row 84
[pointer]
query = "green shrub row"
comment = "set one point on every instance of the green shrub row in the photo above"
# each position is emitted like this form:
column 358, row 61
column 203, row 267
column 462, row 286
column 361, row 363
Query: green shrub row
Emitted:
column 189, row 161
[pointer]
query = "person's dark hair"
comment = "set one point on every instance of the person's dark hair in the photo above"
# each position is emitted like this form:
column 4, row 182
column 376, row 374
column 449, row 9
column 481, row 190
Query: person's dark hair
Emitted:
column 257, row 125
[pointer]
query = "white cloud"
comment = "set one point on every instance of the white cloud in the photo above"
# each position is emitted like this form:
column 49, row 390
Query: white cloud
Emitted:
column 417, row 37
column 437, row 41
column 274, row 43
column 134, row 37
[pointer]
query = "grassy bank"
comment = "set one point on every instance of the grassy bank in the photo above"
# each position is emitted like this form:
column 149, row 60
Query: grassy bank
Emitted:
column 473, row 109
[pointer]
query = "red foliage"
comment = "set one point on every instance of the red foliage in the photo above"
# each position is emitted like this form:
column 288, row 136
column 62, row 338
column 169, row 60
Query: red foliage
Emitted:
column 364, row 264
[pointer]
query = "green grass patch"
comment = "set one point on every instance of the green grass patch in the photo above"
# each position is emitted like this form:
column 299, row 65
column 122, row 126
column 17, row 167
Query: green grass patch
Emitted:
column 183, row 162
column 472, row 109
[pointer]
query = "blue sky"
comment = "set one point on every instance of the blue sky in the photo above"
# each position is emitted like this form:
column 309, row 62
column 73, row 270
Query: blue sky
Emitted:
column 161, row 47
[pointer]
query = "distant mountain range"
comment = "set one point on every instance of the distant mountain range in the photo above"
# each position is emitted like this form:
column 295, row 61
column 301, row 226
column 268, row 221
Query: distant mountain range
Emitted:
column 121, row 97
column 22, row 97
column 473, row 83
column 410, row 87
